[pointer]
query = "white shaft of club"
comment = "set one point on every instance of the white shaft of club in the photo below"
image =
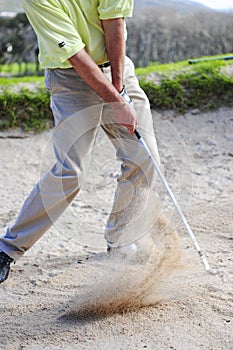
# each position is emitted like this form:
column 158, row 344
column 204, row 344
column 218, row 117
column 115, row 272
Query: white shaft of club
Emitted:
column 188, row 228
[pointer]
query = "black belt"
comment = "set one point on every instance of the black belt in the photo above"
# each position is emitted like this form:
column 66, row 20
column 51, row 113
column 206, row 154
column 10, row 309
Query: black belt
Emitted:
column 104, row 65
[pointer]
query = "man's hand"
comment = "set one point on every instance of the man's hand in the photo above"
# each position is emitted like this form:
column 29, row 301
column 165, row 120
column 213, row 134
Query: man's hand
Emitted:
column 125, row 114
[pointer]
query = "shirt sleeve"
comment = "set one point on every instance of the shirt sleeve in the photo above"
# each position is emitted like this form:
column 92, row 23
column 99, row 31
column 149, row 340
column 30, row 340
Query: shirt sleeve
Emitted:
column 109, row 9
column 57, row 37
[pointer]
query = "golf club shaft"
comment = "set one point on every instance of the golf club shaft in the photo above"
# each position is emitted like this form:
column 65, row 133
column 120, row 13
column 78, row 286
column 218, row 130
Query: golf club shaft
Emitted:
column 171, row 195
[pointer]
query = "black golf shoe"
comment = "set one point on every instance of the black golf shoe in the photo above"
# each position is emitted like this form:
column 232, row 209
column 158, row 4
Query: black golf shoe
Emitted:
column 5, row 262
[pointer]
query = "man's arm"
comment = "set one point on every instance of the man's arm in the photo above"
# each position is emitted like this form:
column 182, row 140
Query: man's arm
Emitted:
column 94, row 77
column 114, row 30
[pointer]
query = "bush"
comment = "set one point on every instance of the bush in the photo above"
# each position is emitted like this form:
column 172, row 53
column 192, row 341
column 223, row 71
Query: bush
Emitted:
column 26, row 109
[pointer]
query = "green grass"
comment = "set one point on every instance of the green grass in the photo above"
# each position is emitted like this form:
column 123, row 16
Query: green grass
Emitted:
column 178, row 86
column 174, row 68
column 8, row 82
column 18, row 69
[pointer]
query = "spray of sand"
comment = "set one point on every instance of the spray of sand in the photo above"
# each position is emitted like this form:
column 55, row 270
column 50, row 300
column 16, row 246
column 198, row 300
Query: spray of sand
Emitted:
column 129, row 283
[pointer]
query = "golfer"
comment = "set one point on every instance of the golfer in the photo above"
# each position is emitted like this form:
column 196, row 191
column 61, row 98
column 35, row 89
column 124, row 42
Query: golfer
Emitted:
column 92, row 85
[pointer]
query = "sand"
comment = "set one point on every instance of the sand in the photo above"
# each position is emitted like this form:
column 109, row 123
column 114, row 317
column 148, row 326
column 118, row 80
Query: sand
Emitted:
column 67, row 293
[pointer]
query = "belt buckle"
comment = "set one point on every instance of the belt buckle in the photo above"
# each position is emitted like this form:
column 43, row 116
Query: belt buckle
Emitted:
column 104, row 65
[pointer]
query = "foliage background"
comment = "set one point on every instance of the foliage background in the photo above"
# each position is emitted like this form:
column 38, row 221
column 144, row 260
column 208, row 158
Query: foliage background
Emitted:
column 161, row 34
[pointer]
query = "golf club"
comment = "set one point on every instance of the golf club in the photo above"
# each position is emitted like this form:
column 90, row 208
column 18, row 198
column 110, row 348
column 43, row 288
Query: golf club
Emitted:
column 171, row 195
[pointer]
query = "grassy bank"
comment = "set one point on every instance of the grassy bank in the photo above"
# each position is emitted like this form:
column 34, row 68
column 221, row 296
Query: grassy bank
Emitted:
column 179, row 86
column 182, row 86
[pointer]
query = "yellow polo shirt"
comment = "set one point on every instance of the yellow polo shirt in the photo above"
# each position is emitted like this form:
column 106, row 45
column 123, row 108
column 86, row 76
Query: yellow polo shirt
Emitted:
column 64, row 27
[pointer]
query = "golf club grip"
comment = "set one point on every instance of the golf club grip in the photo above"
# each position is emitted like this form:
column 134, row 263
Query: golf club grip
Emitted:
column 137, row 133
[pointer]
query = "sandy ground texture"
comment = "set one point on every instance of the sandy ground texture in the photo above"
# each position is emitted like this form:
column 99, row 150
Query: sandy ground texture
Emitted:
column 67, row 293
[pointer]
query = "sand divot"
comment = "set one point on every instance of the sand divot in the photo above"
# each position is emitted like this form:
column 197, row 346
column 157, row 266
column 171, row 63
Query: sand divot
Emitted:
column 126, row 284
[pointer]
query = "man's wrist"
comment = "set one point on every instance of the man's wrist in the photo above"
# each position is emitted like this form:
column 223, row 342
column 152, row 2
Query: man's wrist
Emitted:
column 125, row 96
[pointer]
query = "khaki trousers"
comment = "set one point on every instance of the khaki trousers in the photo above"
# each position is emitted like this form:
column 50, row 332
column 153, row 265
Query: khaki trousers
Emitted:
column 79, row 113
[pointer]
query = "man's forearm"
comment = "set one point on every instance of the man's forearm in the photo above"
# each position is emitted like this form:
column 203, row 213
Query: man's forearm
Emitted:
column 114, row 31
column 93, row 76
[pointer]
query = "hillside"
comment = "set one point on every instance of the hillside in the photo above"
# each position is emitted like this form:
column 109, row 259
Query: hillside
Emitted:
column 180, row 5
column 11, row 5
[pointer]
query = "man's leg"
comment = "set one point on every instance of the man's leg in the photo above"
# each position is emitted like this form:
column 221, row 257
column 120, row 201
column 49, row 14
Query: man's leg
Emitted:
column 133, row 212
column 74, row 137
